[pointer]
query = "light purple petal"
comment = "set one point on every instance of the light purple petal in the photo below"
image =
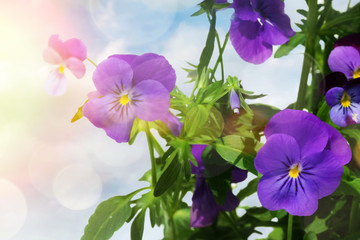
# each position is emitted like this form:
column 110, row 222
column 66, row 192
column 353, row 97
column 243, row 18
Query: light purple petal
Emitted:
column 173, row 123
column 277, row 190
column 238, row 175
column 334, row 95
column 113, row 76
column 75, row 48
column 151, row 100
column 51, row 56
column 245, row 11
column 343, row 117
column 196, row 151
column 129, row 58
column 280, row 152
column 308, row 130
column 120, row 132
column 338, row 145
column 56, row 83
column 234, row 100
column 248, row 43
column 344, row 59
column 76, row 66
column 204, row 209
column 325, row 170
column 154, row 67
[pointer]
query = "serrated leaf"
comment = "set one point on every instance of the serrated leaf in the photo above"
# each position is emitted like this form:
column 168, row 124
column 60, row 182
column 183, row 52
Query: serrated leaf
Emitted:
column 302, row 12
column 168, row 176
column 285, row 49
column 109, row 216
column 137, row 226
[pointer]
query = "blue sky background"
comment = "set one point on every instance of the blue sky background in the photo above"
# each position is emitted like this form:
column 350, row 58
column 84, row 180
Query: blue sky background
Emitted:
column 54, row 173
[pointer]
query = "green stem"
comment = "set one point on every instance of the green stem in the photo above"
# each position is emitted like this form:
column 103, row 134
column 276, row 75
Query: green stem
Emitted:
column 233, row 225
column 290, row 225
column 309, row 53
column 354, row 216
column 219, row 59
column 151, row 151
column 91, row 62
column 220, row 55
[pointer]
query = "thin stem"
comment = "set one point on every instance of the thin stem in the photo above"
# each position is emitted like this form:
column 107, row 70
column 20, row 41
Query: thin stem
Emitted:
column 348, row 6
column 290, row 225
column 91, row 62
column 151, row 151
column 220, row 56
column 233, row 225
column 354, row 216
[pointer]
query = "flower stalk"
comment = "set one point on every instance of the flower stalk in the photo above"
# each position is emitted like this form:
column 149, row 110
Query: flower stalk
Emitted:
column 152, row 156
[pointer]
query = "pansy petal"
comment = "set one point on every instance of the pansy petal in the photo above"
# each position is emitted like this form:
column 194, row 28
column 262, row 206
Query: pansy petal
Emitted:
column 354, row 93
column 56, row 44
column 231, row 202
column 244, row 10
column 120, row 132
column 129, row 58
column 281, row 151
column 238, row 175
column 349, row 40
column 204, row 209
column 75, row 48
column 334, row 95
column 334, row 79
column 173, row 123
column 306, row 128
column 344, row 59
column 151, row 66
column 325, row 169
column 113, row 76
column 273, row 35
column 56, row 83
column 297, row 196
column 196, row 151
column 76, row 66
column 151, row 100
column 338, row 145
column 338, row 115
column 234, row 100
column 51, row 56
column 245, row 38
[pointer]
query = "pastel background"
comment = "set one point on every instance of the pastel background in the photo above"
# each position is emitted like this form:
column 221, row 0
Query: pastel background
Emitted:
column 53, row 173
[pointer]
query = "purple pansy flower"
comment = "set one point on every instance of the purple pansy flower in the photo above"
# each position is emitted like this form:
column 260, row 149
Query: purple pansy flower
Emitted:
column 234, row 100
column 256, row 26
column 345, row 105
column 130, row 86
column 301, row 162
column 204, row 209
column 69, row 54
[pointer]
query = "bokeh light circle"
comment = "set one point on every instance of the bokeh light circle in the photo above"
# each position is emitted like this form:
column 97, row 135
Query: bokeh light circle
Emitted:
column 13, row 209
column 77, row 187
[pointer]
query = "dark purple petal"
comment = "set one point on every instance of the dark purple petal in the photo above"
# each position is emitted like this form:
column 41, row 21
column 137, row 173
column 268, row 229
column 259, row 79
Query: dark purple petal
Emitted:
column 244, row 10
column 248, row 43
column 280, row 152
column 204, row 209
column 354, row 93
column 238, row 175
column 308, row 130
column 234, row 100
column 113, row 76
column 325, row 170
column 350, row 40
column 334, row 95
column 231, row 202
column 298, row 196
column 334, row 79
column 154, row 67
column 173, row 123
column 338, row 145
column 151, row 100
column 344, row 59
column 196, row 151
column 276, row 34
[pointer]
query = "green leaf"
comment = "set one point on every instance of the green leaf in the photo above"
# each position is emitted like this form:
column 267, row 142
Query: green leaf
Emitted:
column 310, row 236
column 220, row 186
column 239, row 151
column 249, row 189
column 317, row 226
column 285, row 49
column 109, row 216
column 209, row 47
column 349, row 185
column 302, row 12
column 182, row 222
column 168, row 176
column 137, row 227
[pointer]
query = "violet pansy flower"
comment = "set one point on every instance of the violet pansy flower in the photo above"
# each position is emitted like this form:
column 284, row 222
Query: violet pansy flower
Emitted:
column 65, row 55
column 301, row 162
column 205, row 209
column 345, row 105
column 256, row 26
column 130, row 86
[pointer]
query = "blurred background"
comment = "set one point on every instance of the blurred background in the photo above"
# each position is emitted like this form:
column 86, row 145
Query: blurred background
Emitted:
column 53, row 173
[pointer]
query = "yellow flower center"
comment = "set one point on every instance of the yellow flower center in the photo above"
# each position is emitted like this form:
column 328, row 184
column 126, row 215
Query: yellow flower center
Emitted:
column 356, row 73
column 294, row 170
column 61, row 69
column 124, row 99
column 345, row 100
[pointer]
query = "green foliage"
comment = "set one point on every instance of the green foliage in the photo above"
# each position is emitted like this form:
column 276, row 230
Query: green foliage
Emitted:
column 249, row 189
column 285, row 49
column 137, row 227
